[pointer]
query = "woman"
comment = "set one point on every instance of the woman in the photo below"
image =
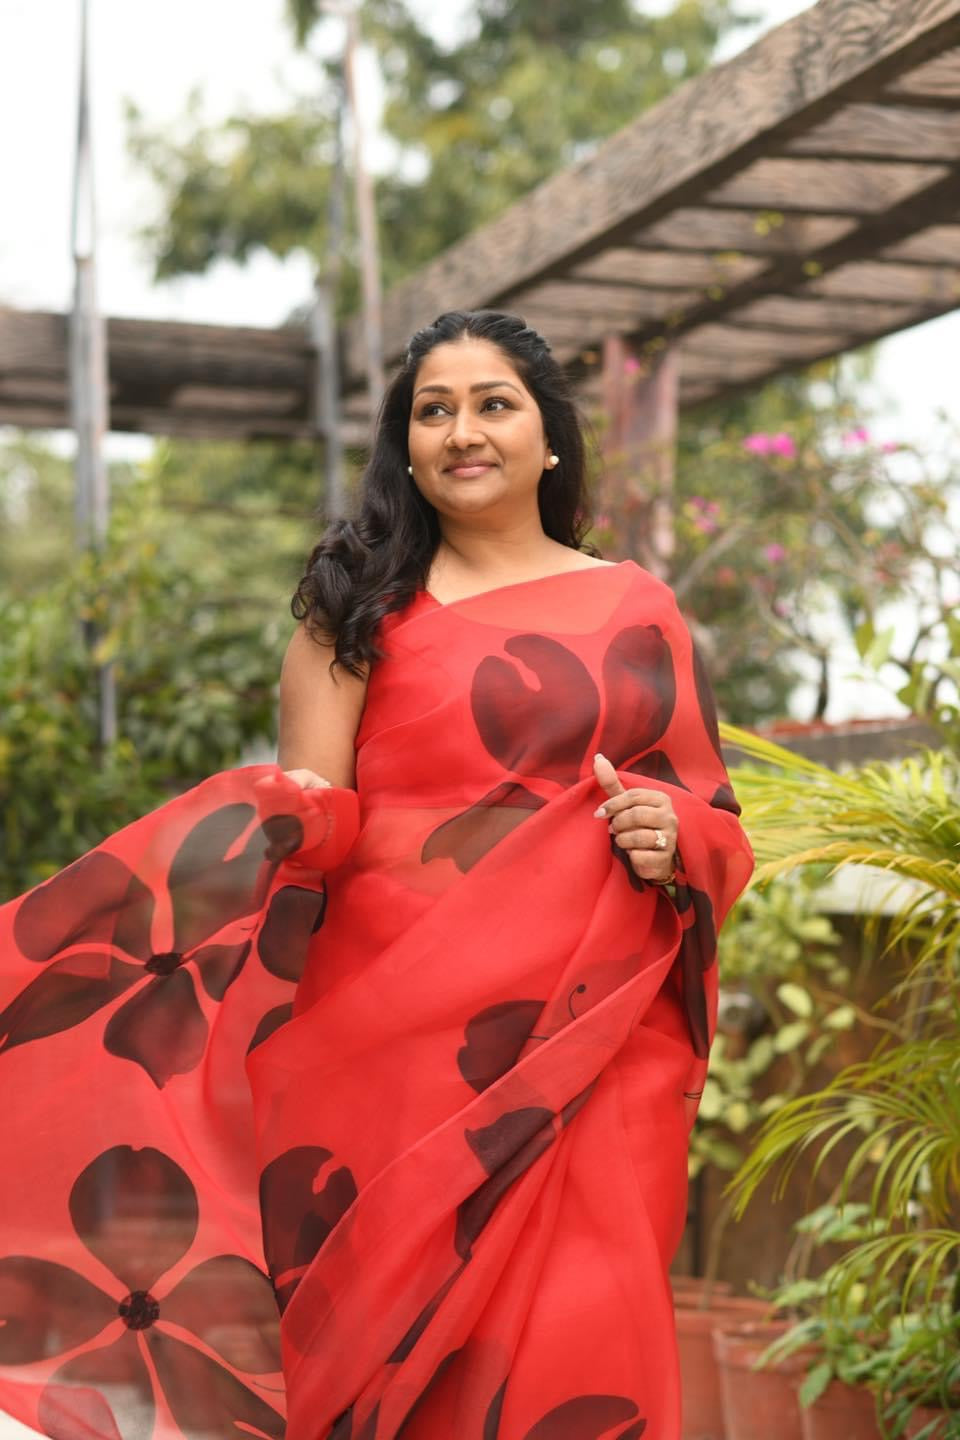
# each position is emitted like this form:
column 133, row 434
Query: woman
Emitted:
column 415, row 1025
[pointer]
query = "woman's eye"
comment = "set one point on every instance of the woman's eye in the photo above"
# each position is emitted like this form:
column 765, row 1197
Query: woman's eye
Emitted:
column 497, row 400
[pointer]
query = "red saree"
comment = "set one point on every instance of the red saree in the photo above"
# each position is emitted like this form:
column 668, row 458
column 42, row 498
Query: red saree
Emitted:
column 369, row 1109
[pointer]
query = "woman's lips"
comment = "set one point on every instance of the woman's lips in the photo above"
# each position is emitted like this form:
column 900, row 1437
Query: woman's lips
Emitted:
column 464, row 472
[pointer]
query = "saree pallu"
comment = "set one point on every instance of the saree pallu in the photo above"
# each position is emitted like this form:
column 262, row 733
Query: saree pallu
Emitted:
column 352, row 1115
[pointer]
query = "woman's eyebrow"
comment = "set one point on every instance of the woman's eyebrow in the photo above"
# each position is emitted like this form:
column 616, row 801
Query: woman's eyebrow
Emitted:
column 474, row 389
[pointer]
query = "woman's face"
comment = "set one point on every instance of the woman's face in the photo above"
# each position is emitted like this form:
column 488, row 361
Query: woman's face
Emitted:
column 476, row 434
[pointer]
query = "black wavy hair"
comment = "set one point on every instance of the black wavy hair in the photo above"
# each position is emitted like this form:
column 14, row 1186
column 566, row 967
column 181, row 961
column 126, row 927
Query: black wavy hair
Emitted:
column 375, row 561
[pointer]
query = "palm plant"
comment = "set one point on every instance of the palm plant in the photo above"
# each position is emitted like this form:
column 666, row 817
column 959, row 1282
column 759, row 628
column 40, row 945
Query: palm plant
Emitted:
column 897, row 1114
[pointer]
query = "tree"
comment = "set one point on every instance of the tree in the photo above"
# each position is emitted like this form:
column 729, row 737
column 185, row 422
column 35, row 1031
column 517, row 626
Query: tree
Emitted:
column 527, row 90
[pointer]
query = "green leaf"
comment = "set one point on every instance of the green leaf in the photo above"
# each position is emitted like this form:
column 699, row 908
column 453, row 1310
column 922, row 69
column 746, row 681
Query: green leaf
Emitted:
column 796, row 999
column 815, row 1383
column 790, row 1037
column 843, row 1018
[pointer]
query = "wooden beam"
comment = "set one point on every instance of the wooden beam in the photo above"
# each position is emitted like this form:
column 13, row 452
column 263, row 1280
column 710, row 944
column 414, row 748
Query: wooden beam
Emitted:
column 940, row 245
column 697, row 138
column 918, row 285
column 667, row 269
column 612, row 307
column 799, row 313
column 882, row 132
column 761, row 345
column 752, row 232
column 824, row 187
column 936, row 82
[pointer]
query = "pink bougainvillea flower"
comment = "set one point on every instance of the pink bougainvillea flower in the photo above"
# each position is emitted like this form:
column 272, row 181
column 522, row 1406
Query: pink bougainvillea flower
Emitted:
column 860, row 435
column 774, row 553
column 783, row 444
column 705, row 525
column 758, row 444
column 890, row 447
column 632, row 365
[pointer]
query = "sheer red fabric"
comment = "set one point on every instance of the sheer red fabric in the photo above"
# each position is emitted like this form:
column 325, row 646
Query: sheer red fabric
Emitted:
column 362, row 1114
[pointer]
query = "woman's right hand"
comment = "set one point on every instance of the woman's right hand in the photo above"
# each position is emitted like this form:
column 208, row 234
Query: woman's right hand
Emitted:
column 306, row 779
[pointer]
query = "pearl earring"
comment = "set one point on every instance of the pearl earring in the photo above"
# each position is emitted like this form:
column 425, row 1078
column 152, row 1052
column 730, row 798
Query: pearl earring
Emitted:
column 554, row 459
column 409, row 469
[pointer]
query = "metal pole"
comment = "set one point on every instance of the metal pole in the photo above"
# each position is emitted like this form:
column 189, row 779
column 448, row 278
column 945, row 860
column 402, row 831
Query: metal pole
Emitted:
column 88, row 367
column 324, row 333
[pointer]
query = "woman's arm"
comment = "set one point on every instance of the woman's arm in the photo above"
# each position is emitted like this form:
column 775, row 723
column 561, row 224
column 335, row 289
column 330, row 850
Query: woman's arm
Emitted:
column 319, row 714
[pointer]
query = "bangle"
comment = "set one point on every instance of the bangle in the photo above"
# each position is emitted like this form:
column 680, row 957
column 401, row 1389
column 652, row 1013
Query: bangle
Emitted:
column 670, row 880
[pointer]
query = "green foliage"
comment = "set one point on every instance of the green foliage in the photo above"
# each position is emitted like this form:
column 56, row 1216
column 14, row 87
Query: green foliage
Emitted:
column 779, row 1012
column 189, row 601
column 895, row 1118
column 791, row 550
column 527, row 90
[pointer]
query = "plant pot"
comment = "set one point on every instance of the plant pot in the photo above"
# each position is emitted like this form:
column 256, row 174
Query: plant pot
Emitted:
column 922, row 1416
column 702, row 1406
column 759, row 1404
column 687, row 1289
column 842, row 1412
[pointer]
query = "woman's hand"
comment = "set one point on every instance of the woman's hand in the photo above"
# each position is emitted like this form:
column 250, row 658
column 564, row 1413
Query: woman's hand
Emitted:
column 306, row 779
column 635, row 818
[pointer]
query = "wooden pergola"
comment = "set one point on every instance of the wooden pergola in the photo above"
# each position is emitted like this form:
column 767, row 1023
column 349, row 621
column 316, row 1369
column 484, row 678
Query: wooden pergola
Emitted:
column 788, row 205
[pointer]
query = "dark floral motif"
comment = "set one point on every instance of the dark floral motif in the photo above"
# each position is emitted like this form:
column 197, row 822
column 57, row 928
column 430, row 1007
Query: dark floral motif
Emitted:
column 294, row 915
column 541, row 732
column 491, row 1423
column 589, row 1417
column 467, row 837
column 343, row 1425
column 655, row 765
column 297, row 1217
column 640, row 690
column 270, row 1022
column 494, row 1039
column 505, row 1149
column 99, row 902
column 225, row 1305
column 723, row 798
column 698, row 951
column 406, row 1344
column 547, row 732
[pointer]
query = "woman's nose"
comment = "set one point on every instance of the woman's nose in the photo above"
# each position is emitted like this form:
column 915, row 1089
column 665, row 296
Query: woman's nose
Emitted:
column 464, row 431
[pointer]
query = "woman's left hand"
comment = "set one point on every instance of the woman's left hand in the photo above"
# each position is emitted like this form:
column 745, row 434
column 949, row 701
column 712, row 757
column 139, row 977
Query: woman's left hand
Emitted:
column 635, row 818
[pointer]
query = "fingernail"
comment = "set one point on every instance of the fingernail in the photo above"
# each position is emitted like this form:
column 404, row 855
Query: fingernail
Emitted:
column 600, row 813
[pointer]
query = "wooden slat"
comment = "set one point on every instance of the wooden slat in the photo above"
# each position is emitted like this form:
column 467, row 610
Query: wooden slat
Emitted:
column 938, row 80
column 799, row 313
column 752, row 232
column 920, row 285
column 609, row 307
column 697, row 138
column 940, row 245
column 762, row 345
column 826, row 187
column 667, row 268
column 883, row 132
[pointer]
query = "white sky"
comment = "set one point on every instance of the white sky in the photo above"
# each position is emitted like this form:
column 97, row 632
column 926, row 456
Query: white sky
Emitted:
column 241, row 55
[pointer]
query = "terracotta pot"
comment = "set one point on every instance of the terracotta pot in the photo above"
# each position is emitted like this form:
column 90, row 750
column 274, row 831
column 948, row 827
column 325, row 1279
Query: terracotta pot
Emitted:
column 686, row 1286
column 759, row 1404
column 842, row 1412
column 702, row 1406
column 922, row 1416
